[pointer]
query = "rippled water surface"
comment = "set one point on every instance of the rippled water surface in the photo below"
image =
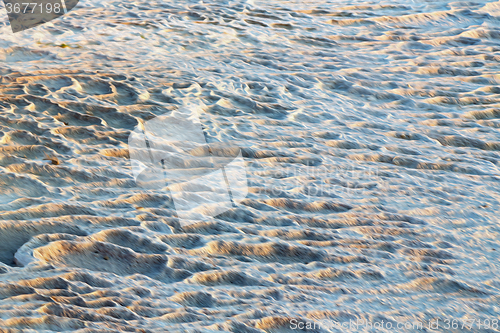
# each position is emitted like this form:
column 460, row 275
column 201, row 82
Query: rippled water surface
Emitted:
column 370, row 133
